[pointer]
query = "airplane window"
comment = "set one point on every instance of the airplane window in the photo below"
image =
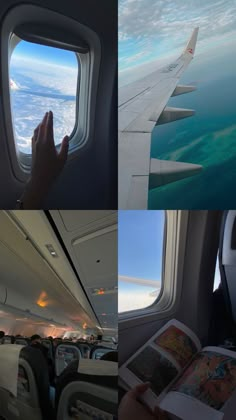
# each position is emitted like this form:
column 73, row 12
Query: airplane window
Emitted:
column 140, row 248
column 42, row 78
column 217, row 279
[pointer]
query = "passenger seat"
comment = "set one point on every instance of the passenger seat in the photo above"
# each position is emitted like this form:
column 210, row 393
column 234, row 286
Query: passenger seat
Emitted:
column 8, row 339
column 224, row 303
column 98, row 351
column 88, row 388
column 33, row 392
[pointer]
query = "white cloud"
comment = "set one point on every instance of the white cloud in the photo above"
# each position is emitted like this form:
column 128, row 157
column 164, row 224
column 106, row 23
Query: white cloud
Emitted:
column 169, row 16
column 43, row 87
column 164, row 26
column 52, row 76
column 128, row 301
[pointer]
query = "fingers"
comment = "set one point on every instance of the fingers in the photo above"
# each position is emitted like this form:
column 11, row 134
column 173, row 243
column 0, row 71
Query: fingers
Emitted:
column 62, row 155
column 139, row 390
column 36, row 132
column 49, row 128
column 42, row 127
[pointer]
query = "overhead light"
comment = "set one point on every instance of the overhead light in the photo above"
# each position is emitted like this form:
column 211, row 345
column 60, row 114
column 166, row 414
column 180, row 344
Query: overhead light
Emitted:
column 103, row 291
column 51, row 250
column 43, row 300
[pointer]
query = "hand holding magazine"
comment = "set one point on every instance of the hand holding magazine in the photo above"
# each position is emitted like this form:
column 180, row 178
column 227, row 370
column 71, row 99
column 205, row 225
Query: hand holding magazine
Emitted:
column 187, row 381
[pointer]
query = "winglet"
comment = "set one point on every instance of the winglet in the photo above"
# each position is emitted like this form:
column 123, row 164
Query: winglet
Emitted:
column 192, row 43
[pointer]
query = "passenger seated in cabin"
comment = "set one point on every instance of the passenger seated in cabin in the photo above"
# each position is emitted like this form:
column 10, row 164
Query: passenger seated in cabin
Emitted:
column 35, row 342
column 131, row 407
column 56, row 341
column 47, row 164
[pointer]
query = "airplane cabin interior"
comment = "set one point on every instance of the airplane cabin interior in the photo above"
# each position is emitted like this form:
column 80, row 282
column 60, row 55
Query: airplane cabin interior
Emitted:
column 58, row 282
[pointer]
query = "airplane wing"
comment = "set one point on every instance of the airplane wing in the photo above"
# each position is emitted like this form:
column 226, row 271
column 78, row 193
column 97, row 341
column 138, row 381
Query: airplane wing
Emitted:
column 140, row 281
column 142, row 106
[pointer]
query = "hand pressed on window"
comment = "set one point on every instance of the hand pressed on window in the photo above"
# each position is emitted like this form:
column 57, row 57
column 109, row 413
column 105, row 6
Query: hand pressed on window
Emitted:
column 131, row 408
column 47, row 163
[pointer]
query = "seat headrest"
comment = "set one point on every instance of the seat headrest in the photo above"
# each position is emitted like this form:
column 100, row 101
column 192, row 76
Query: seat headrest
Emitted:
column 21, row 341
column 98, row 373
column 97, row 367
column 9, row 362
column 70, row 350
column 39, row 367
column 8, row 339
column 98, row 351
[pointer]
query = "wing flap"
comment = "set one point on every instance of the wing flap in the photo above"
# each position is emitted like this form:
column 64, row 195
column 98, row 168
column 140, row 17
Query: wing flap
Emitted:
column 181, row 89
column 173, row 114
column 164, row 172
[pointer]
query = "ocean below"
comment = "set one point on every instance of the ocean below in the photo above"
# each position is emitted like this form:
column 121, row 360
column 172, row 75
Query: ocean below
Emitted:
column 208, row 138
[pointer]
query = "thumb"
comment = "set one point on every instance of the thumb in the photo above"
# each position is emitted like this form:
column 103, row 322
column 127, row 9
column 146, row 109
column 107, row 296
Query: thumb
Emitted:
column 62, row 155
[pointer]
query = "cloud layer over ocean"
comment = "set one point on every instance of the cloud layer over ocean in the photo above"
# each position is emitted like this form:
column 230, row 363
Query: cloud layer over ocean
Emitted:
column 42, row 87
column 160, row 28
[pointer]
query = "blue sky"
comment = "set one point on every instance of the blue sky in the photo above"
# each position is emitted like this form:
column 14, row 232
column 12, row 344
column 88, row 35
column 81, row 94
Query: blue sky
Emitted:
column 140, row 247
column 46, row 79
column 140, row 243
column 160, row 30
column 45, row 53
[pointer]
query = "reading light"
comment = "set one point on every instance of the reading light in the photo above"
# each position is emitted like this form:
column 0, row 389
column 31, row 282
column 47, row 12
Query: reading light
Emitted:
column 43, row 300
column 100, row 292
column 104, row 291
column 51, row 250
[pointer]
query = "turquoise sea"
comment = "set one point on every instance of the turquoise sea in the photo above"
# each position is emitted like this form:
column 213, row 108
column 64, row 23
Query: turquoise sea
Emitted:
column 208, row 138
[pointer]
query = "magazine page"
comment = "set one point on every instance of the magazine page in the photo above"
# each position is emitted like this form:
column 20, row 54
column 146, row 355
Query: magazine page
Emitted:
column 160, row 360
column 206, row 389
column 177, row 341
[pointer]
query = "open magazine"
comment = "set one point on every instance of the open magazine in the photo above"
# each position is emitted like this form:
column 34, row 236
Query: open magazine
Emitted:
column 187, row 381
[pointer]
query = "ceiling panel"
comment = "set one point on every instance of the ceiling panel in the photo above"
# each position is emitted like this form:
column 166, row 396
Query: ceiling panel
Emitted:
column 91, row 240
column 86, row 220
column 33, row 287
column 96, row 258
column 105, row 303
